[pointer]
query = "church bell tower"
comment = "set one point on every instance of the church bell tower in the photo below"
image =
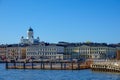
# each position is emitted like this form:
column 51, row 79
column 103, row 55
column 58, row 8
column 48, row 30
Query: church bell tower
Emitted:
column 30, row 35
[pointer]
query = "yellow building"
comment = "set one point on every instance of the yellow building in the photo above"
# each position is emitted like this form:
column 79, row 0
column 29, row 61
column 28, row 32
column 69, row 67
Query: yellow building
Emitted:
column 12, row 53
column 23, row 52
column 2, row 52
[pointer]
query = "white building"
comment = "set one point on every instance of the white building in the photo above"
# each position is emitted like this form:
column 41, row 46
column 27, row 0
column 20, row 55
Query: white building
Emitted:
column 97, row 52
column 51, row 52
column 30, row 38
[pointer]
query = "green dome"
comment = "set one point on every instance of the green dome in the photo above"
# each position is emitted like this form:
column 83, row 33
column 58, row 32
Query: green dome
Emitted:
column 30, row 29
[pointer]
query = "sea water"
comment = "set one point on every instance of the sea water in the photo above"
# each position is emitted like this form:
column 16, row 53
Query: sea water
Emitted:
column 29, row 74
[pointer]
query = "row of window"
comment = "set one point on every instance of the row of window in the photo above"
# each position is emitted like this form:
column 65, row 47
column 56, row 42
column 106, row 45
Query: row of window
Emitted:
column 89, row 52
column 89, row 49
column 48, row 57
column 52, row 49
column 92, row 51
column 41, row 53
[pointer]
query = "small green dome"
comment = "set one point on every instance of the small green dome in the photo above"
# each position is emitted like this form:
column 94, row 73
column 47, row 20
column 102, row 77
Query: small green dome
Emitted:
column 30, row 29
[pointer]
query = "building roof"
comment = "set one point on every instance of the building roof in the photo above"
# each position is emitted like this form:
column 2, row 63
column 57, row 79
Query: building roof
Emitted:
column 30, row 29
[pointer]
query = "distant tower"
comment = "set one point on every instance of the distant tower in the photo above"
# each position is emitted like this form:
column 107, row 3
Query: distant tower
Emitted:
column 22, row 39
column 38, row 39
column 30, row 35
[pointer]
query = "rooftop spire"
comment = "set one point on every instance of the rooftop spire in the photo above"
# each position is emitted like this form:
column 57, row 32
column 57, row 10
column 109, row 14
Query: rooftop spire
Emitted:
column 30, row 29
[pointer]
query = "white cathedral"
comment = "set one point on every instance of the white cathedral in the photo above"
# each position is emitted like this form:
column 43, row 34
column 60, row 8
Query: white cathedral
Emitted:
column 30, row 38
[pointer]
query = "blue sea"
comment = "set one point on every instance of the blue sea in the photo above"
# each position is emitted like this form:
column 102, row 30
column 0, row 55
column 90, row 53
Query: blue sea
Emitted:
column 29, row 74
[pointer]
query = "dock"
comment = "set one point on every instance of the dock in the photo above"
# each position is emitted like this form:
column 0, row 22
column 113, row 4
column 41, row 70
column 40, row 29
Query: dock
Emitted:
column 106, row 66
column 47, row 65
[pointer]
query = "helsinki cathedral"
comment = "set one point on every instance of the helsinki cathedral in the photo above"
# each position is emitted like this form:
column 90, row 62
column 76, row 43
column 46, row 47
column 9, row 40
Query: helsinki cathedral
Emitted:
column 30, row 38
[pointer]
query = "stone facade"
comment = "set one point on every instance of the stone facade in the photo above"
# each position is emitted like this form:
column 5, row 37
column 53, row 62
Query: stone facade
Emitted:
column 51, row 52
column 90, row 52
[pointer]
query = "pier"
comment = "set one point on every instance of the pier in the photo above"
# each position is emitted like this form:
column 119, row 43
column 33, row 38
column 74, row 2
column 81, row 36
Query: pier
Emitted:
column 106, row 66
column 47, row 65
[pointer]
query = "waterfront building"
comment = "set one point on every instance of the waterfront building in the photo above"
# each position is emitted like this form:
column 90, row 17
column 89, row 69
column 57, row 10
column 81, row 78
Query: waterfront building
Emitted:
column 118, row 55
column 30, row 38
column 31, row 47
column 23, row 53
column 2, row 52
column 15, row 51
column 118, row 48
column 43, row 51
column 12, row 53
column 90, row 52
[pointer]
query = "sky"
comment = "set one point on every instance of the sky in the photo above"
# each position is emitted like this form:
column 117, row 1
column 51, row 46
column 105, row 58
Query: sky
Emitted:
column 60, row 20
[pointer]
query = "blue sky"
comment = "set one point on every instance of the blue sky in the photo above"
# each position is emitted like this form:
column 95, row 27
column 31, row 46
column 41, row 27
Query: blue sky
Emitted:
column 60, row 20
